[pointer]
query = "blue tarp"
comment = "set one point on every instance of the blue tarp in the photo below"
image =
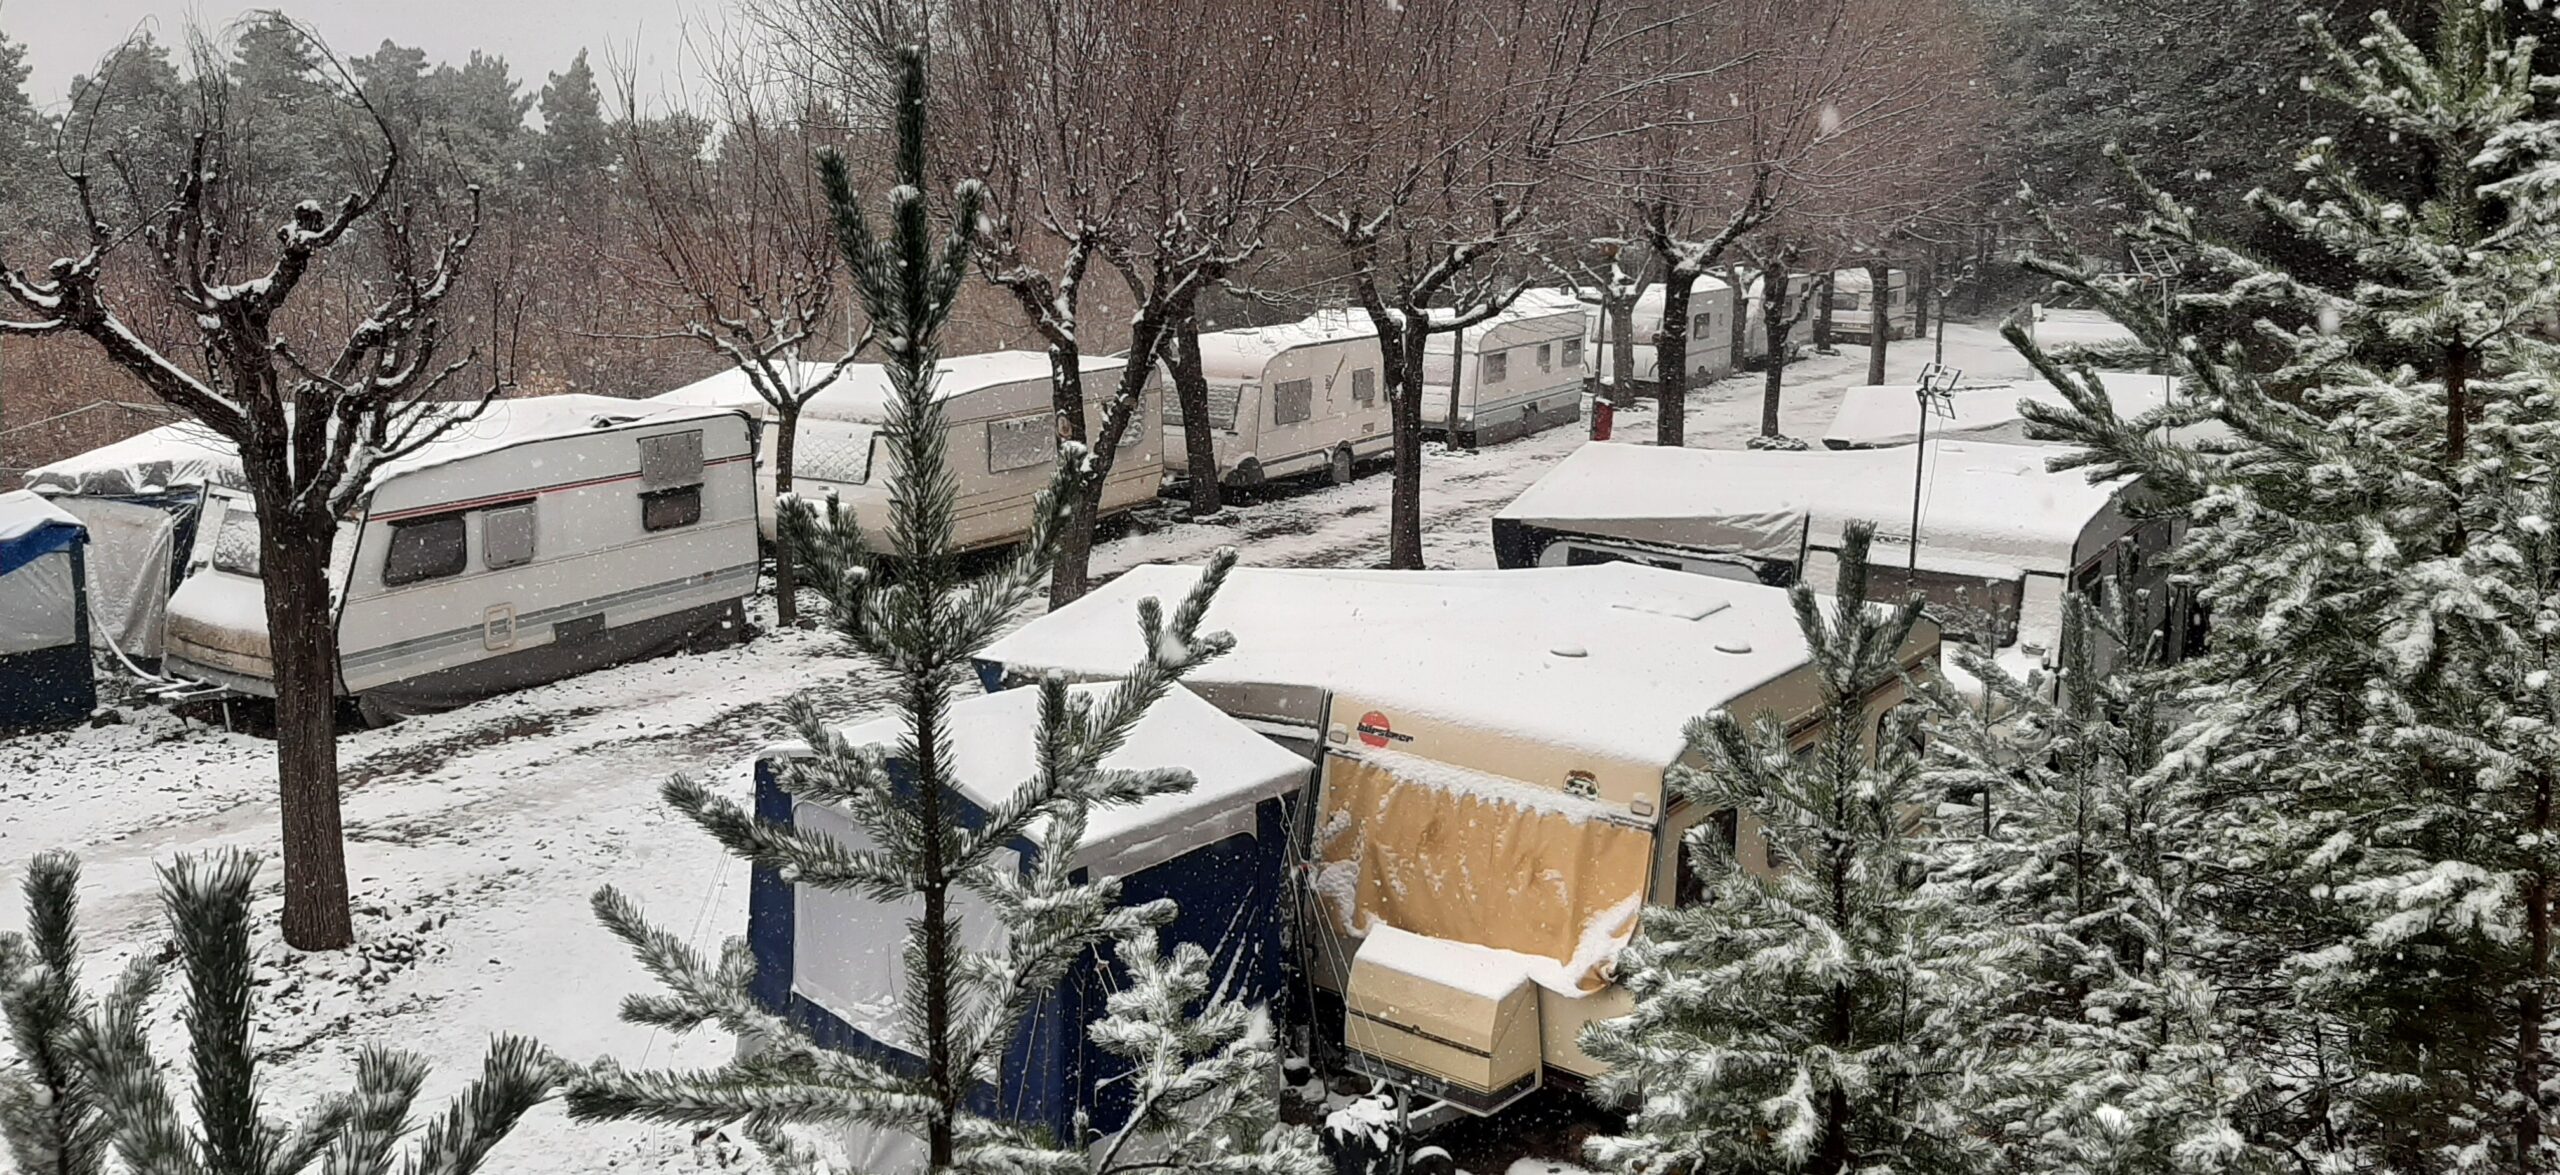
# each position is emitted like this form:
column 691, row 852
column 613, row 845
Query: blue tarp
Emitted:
column 46, row 679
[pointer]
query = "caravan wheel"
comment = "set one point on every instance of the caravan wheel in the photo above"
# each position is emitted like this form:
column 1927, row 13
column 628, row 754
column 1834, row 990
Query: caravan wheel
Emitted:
column 374, row 714
column 1430, row 1160
column 1338, row 470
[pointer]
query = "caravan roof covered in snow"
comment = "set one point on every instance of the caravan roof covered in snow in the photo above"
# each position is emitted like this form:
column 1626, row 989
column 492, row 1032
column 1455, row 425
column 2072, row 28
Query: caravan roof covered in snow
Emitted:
column 1518, row 323
column 861, row 393
column 180, row 456
column 1613, row 659
column 1889, row 414
column 1242, row 352
column 1987, row 502
column 1233, row 769
column 188, row 455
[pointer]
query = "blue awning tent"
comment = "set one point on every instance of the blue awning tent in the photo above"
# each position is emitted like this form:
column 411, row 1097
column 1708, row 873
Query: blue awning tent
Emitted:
column 46, row 679
column 831, row 962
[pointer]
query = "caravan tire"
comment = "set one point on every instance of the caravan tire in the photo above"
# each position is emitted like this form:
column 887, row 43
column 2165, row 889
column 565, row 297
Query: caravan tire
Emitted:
column 374, row 714
column 1430, row 1160
column 1339, row 468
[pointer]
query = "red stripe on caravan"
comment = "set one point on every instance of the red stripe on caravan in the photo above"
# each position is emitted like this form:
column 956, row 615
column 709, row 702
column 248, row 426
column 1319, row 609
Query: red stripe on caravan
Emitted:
column 519, row 495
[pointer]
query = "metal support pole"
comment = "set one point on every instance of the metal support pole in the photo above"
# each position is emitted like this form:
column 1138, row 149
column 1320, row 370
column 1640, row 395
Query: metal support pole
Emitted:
column 1919, row 467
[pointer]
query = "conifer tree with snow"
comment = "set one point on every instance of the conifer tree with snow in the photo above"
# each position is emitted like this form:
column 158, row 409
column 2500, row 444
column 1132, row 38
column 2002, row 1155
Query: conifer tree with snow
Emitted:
column 89, row 1083
column 1802, row 1016
column 1200, row 1061
column 2375, row 725
column 2104, row 1048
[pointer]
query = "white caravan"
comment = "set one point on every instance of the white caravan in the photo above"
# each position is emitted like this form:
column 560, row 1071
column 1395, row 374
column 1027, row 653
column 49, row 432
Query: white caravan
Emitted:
column 1854, row 305
column 1291, row 399
column 1518, row 372
column 2001, row 536
column 545, row 537
column 1000, row 434
column 1709, row 329
column 1755, row 330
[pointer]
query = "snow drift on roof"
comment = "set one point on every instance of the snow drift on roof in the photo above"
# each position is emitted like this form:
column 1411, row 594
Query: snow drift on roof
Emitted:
column 1990, row 502
column 1477, row 649
column 1889, row 414
column 31, row 528
column 1242, row 352
column 861, row 394
column 1234, row 769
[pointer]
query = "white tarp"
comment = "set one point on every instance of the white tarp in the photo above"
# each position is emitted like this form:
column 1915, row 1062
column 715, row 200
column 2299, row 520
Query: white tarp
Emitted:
column 1877, row 415
column 171, row 458
column 1612, row 660
column 1982, row 502
column 38, row 609
column 1645, row 494
column 131, row 548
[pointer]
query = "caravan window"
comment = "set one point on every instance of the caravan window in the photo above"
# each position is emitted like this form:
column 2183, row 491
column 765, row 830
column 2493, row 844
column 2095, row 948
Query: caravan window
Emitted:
column 1137, row 425
column 1222, row 407
column 1497, row 367
column 1844, row 301
column 1364, row 387
column 426, row 548
column 842, row 456
column 671, row 459
column 670, row 509
column 1703, row 325
column 1292, row 401
column 506, row 535
column 1546, row 357
column 1573, row 352
column 1967, row 607
column 1722, row 830
column 235, row 546
column 1021, row 443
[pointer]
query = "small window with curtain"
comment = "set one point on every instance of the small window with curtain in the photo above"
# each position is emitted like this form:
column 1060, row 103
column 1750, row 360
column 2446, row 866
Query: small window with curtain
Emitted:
column 1364, row 387
column 671, row 459
column 1546, row 357
column 1703, row 325
column 506, row 535
column 1292, row 401
column 1572, row 353
column 432, row 547
column 1497, row 367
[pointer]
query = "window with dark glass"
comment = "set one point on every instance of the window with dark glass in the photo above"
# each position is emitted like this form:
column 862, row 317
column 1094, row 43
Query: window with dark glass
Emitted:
column 1292, row 401
column 671, row 508
column 506, row 535
column 432, row 547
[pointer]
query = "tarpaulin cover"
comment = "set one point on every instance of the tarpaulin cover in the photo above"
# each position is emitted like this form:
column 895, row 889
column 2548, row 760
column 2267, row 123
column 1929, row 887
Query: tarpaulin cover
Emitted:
column 1455, row 854
column 39, row 606
column 133, row 548
column 32, row 528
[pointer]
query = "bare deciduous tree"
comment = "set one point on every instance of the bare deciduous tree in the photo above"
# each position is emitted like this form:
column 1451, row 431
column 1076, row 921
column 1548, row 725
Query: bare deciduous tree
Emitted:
column 313, row 410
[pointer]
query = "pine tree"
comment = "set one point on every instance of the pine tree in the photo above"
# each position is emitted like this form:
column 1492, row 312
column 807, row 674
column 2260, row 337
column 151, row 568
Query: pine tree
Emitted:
column 49, row 1112
column 575, row 144
column 92, row 1081
column 2375, row 725
column 2075, row 861
column 1803, row 1017
column 1195, row 1072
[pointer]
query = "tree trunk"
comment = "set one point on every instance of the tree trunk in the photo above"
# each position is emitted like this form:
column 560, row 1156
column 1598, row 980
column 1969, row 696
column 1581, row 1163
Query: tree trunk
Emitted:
column 2457, row 403
column 786, row 575
column 1621, row 316
column 1778, row 324
column 302, row 637
column 1822, row 340
column 926, row 698
column 1671, row 362
column 1191, row 389
column 1075, row 536
column 1740, row 328
column 1069, row 579
column 1404, row 505
column 1879, row 320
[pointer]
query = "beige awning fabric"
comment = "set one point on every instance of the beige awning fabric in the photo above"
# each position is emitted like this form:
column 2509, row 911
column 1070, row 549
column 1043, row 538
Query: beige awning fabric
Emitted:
column 1455, row 854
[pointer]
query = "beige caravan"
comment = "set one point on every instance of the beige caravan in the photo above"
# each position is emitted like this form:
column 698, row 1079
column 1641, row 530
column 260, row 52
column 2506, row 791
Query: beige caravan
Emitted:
column 1291, row 399
column 1518, row 372
column 1002, row 438
column 1755, row 332
column 1708, row 331
column 1491, row 812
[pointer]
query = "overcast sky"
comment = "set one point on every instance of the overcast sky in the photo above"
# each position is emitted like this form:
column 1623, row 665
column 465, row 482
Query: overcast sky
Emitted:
column 537, row 37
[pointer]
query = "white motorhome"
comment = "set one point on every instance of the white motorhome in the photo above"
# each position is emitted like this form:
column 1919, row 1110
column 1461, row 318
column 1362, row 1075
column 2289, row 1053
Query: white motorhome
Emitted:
column 1001, row 440
column 1518, row 372
column 1291, row 399
column 1491, row 813
column 1708, row 328
column 2001, row 537
column 542, row 538
column 1855, row 305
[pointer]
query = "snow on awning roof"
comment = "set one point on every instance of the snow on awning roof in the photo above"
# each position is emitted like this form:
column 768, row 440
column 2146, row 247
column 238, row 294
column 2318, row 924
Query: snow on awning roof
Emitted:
column 1234, row 768
column 1612, row 659
column 1985, row 502
column 1876, row 415
column 183, row 455
column 31, row 528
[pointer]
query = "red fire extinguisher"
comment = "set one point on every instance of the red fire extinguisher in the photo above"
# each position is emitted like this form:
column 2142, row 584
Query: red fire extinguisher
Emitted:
column 1603, row 413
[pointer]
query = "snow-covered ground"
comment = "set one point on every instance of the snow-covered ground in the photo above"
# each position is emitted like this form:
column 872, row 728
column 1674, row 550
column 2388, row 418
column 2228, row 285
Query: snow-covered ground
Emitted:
column 475, row 838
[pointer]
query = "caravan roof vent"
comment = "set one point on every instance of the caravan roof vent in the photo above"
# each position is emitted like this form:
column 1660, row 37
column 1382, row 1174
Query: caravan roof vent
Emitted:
column 1691, row 608
column 1733, row 644
column 1570, row 651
